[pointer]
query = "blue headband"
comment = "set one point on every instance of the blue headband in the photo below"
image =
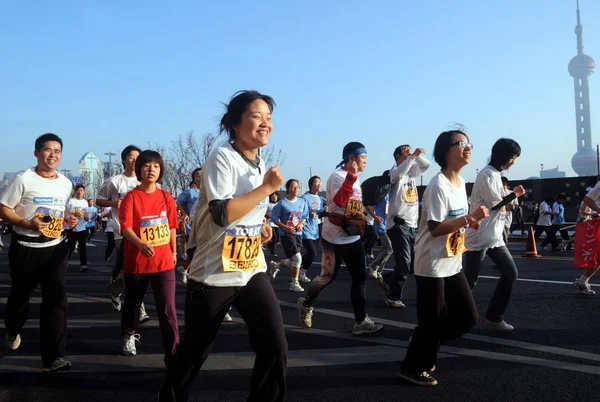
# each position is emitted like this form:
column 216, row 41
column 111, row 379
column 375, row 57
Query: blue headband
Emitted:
column 356, row 152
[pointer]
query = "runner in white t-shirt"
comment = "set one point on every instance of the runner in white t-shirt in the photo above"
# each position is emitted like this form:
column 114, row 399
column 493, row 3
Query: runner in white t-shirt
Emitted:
column 341, row 240
column 34, row 203
column 77, row 235
column 544, row 224
column 228, row 266
column 445, row 306
column 488, row 191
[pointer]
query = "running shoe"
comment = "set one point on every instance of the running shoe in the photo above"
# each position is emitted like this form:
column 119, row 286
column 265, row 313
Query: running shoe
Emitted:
column 59, row 364
column 227, row 318
column 585, row 287
column 304, row 313
column 303, row 278
column 90, row 244
column 144, row 317
column 295, row 287
column 500, row 325
column 12, row 342
column 129, row 344
column 273, row 269
column 370, row 256
column 394, row 303
column 83, row 268
column 115, row 302
column 419, row 379
column 371, row 273
column 367, row 326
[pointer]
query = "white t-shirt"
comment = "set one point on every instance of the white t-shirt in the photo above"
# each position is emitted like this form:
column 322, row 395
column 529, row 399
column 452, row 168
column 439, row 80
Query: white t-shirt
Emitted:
column 114, row 188
column 269, row 211
column 77, row 207
column 509, row 214
column 109, row 220
column 230, row 255
column 404, row 199
column 333, row 233
column 30, row 194
column 438, row 257
column 545, row 219
column 487, row 191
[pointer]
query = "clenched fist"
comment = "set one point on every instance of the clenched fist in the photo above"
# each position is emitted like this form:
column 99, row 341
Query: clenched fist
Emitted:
column 273, row 179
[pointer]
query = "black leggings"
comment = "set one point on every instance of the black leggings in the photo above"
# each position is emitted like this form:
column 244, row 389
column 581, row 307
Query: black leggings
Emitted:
column 274, row 240
column 310, row 248
column 110, row 246
column 81, row 238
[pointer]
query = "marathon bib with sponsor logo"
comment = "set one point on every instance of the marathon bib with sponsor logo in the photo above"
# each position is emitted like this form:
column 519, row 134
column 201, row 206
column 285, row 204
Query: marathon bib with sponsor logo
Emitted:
column 155, row 231
column 55, row 228
column 354, row 207
column 242, row 249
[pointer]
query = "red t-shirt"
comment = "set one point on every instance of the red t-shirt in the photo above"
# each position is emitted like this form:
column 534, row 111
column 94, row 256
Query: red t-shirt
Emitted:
column 150, row 216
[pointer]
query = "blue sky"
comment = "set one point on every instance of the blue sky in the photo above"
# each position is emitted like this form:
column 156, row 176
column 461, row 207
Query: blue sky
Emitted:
column 103, row 74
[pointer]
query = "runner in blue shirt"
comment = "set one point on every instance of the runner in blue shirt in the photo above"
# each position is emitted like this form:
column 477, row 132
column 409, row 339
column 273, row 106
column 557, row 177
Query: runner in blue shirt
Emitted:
column 310, row 232
column 91, row 213
column 187, row 199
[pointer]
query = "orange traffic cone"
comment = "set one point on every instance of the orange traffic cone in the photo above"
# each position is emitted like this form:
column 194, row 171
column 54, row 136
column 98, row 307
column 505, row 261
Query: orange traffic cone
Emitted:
column 531, row 249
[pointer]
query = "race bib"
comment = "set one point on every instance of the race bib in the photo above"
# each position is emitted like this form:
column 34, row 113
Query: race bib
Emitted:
column 354, row 207
column 55, row 228
column 242, row 249
column 455, row 244
column 410, row 195
column 155, row 232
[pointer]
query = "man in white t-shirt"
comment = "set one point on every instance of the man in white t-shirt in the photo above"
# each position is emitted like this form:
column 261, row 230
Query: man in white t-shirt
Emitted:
column 77, row 234
column 544, row 224
column 111, row 194
column 402, row 219
column 34, row 204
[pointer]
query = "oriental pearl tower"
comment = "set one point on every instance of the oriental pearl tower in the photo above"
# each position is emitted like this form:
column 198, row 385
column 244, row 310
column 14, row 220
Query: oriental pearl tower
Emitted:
column 580, row 68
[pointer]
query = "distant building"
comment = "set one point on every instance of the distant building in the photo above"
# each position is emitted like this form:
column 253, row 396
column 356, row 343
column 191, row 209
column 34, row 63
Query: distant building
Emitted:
column 91, row 170
column 552, row 173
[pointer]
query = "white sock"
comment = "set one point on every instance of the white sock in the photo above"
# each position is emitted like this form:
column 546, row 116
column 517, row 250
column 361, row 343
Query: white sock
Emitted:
column 582, row 279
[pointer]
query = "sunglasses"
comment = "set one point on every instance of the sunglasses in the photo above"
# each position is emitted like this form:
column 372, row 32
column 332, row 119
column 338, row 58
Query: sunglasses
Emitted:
column 462, row 144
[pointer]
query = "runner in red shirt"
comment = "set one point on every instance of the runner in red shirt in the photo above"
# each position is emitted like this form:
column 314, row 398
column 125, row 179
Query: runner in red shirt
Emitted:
column 148, row 217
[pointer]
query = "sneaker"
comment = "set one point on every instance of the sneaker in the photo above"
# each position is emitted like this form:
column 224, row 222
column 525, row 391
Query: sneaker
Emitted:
column 59, row 364
column 144, row 317
column 303, row 278
column 379, row 275
column 227, row 318
column 273, row 269
column 304, row 313
column 83, row 268
column 183, row 274
column 381, row 282
column 295, row 287
column 367, row 326
column 419, row 379
column 585, row 287
column 90, row 245
column 115, row 302
column 129, row 344
column 394, row 303
column 372, row 273
column 501, row 325
column 12, row 342
column 370, row 256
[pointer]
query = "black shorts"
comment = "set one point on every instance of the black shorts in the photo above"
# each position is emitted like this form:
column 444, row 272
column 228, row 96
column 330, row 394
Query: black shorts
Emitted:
column 291, row 244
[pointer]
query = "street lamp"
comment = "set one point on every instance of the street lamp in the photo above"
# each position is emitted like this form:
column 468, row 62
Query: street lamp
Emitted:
column 110, row 154
column 542, row 170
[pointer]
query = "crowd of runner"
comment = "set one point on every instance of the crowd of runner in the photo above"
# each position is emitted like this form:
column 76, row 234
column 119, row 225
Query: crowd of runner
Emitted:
column 232, row 210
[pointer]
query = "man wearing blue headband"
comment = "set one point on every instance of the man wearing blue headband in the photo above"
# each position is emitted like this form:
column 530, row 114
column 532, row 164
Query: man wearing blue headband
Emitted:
column 341, row 239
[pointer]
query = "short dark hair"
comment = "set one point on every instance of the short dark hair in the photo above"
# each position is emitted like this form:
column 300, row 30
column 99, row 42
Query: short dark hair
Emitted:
column 503, row 150
column 238, row 104
column 312, row 180
column 127, row 150
column 561, row 196
column 443, row 145
column 274, row 194
column 289, row 183
column 398, row 149
column 194, row 173
column 77, row 187
column 504, row 180
column 44, row 138
column 148, row 156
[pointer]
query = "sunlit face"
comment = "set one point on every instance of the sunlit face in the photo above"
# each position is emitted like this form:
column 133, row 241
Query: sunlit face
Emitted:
column 361, row 161
column 130, row 159
column 150, row 172
column 316, row 186
column 459, row 154
column 79, row 193
column 49, row 156
column 510, row 162
column 254, row 129
column 293, row 189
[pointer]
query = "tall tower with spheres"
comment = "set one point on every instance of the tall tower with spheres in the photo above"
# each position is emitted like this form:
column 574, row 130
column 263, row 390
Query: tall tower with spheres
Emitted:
column 580, row 68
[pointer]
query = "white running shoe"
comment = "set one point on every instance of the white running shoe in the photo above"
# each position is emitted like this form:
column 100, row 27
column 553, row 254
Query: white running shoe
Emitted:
column 115, row 302
column 227, row 318
column 585, row 287
column 273, row 269
column 129, row 344
column 12, row 342
column 295, row 287
column 303, row 278
column 90, row 245
column 83, row 268
column 372, row 273
column 304, row 313
column 367, row 326
column 500, row 326
column 59, row 364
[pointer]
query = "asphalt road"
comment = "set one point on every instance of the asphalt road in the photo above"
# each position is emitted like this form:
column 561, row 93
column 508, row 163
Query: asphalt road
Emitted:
column 553, row 355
